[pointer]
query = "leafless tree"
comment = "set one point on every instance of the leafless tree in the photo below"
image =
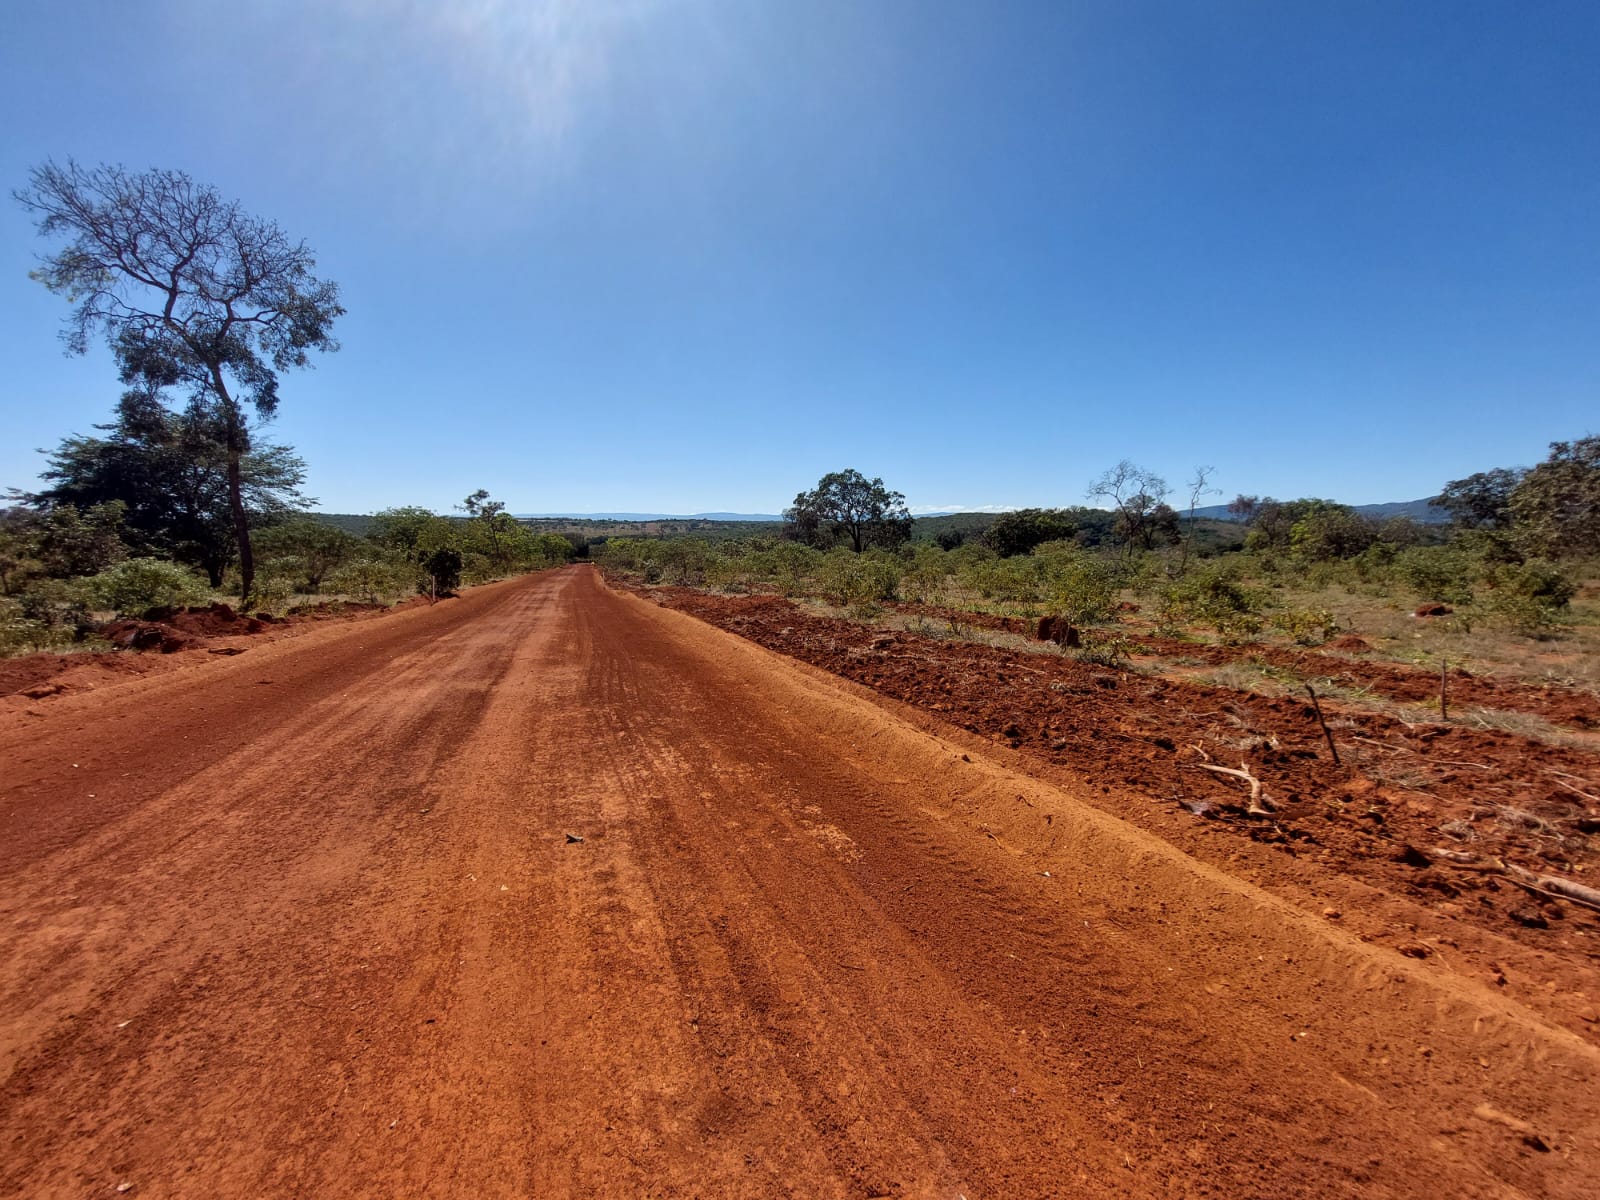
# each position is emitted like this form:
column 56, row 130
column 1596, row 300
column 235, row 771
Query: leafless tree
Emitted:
column 1137, row 495
column 1199, row 488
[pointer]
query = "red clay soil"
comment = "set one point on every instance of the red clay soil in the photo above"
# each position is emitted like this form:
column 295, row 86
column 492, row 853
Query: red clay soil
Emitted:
column 1403, row 802
column 212, row 629
column 1560, row 704
column 317, row 920
column 1334, row 663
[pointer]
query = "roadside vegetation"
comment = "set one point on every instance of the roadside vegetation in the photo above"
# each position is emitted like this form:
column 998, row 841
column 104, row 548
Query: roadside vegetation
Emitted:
column 180, row 499
column 66, row 571
column 1510, row 583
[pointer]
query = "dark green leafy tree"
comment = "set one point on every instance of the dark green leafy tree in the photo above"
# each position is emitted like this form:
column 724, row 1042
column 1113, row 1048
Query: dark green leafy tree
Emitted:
column 1325, row 530
column 409, row 530
column 59, row 542
column 1556, row 505
column 75, row 541
column 171, row 477
column 1481, row 501
column 1271, row 522
column 193, row 295
column 1020, row 531
column 19, row 548
column 848, row 505
column 441, row 571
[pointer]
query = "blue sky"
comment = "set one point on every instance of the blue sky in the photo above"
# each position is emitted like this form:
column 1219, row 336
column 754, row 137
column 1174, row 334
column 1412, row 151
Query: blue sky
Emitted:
column 681, row 256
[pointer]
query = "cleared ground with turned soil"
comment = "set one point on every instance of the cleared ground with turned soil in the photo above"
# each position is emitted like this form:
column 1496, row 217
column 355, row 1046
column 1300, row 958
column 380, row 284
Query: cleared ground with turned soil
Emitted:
column 311, row 919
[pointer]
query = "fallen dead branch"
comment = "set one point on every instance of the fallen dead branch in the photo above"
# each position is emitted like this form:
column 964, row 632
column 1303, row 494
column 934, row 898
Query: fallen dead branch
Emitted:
column 1544, row 885
column 1259, row 805
column 1555, row 885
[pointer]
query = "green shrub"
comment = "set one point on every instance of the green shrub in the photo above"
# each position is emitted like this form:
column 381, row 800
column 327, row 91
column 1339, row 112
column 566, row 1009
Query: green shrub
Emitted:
column 373, row 581
column 1104, row 650
column 137, row 584
column 50, row 615
column 1078, row 586
column 1010, row 580
column 1212, row 596
column 858, row 580
column 1538, row 580
column 1306, row 626
column 1529, row 597
column 478, row 567
column 273, row 591
column 1443, row 573
column 683, row 560
column 925, row 579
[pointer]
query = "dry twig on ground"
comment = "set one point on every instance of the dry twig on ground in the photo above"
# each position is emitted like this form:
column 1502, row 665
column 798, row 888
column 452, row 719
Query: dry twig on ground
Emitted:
column 1259, row 805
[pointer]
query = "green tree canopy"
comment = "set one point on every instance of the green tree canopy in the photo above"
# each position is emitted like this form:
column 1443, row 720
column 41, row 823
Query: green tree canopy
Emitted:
column 848, row 505
column 1481, row 501
column 1020, row 531
column 1556, row 505
column 191, row 293
column 171, row 478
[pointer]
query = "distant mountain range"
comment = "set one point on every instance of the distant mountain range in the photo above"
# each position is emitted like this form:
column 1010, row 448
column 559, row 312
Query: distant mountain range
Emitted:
column 630, row 516
column 1419, row 511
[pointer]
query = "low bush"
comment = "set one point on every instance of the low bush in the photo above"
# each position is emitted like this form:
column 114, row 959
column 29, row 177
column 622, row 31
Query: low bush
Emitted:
column 1078, row 586
column 136, row 584
column 1211, row 596
column 858, row 581
column 1530, row 598
column 1443, row 573
column 373, row 581
column 1305, row 626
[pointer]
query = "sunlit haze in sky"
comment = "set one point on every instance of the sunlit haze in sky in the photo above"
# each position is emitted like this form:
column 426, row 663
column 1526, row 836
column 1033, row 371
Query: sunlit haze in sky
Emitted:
column 687, row 256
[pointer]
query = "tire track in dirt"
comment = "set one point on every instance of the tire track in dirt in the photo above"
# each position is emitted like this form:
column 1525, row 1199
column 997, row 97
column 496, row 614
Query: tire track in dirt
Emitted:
column 339, row 944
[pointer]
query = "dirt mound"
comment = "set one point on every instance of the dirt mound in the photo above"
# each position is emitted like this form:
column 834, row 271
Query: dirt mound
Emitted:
column 146, row 635
column 1058, row 630
column 211, row 620
column 1433, row 610
column 36, row 676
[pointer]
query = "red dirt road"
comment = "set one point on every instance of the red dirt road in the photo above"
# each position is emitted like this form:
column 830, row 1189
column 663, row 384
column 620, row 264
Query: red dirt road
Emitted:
column 307, row 922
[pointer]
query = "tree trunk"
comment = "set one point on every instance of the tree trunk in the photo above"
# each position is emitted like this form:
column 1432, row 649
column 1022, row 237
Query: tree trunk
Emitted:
column 241, row 524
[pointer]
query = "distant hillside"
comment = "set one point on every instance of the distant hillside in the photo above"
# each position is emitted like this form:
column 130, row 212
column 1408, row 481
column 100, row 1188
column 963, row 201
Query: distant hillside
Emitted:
column 597, row 528
column 358, row 524
column 1419, row 511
